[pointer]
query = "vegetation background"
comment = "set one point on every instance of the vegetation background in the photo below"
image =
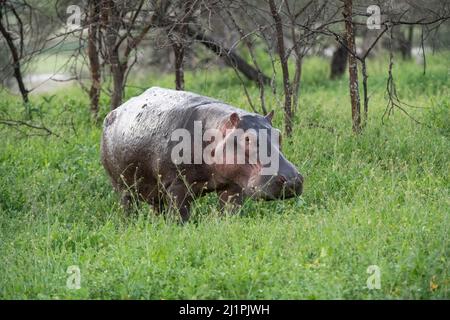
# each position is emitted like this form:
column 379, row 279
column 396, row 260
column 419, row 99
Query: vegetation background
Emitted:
column 376, row 193
column 380, row 198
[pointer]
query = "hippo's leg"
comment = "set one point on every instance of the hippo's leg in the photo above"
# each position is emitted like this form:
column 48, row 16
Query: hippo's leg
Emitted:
column 154, row 197
column 129, row 201
column 179, row 200
column 230, row 199
column 158, row 206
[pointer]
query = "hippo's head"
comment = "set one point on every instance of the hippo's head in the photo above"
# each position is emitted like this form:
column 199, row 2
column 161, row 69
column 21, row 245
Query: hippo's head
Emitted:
column 266, row 173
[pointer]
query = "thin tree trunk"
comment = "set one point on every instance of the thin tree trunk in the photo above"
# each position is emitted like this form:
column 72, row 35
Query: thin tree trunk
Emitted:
column 298, row 67
column 297, row 80
column 410, row 40
column 338, row 62
column 93, row 55
column 15, row 57
column 352, row 67
column 178, row 50
column 368, row 47
column 422, row 45
column 118, row 86
column 179, row 43
column 365, row 95
column 112, row 24
column 405, row 43
column 284, row 67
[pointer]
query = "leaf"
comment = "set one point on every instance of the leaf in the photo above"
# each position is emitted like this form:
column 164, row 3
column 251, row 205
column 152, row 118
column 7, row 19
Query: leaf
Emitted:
column 433, row 284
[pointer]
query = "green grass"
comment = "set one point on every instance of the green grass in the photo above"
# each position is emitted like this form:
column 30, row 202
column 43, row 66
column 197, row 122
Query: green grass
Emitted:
column 381, row 198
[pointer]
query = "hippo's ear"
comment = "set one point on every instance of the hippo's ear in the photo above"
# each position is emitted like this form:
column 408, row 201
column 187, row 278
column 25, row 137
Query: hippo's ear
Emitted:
column 234, row 119
column 269, row 116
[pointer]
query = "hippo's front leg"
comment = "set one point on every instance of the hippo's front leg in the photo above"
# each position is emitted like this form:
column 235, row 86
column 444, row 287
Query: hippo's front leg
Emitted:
column 129, row 202
column 231, row 199
column 179, row 200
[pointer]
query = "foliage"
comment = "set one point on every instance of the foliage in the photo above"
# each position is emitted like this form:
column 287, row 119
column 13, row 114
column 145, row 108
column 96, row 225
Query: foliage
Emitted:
column 381, row 198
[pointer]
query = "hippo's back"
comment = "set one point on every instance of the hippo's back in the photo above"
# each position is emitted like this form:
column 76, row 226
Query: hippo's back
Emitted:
column 154, row 113
column 139, row 131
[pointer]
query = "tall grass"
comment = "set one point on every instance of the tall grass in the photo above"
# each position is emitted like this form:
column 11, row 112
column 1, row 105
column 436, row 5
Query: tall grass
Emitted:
column 381, row 198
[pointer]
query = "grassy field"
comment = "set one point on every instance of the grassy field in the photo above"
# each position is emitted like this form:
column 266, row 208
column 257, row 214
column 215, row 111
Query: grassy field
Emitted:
column 381, row 198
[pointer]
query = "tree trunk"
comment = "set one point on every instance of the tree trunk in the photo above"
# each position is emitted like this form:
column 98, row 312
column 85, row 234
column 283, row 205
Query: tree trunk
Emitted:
column 179, row 43
column 93, row 55
column 339, row 62
column 284, row 67
column 16, row 58
column 297, row 80
column 118, row 73
column 111, row 21
column 178, row 50
column 410, row 40
column 352, row 67
column 365, row 95
column 405, row 43
column 231, row 58
column 298, row 67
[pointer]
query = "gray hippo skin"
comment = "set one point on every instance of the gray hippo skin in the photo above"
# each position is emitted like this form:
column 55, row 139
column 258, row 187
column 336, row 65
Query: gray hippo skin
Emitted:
column 136, row 153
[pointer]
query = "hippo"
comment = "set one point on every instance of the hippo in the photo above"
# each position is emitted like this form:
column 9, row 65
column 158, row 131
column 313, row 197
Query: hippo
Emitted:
column 137, row 152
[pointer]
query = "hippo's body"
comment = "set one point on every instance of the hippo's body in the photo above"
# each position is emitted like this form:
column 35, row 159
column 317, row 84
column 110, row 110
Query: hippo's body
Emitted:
column 136, row 149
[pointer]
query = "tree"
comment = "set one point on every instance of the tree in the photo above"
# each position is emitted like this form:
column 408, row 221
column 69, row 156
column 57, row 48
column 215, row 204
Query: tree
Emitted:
column 352, row 67
column 94, row 55
column 284, row 67
column 16, row 52
column 119, row 20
